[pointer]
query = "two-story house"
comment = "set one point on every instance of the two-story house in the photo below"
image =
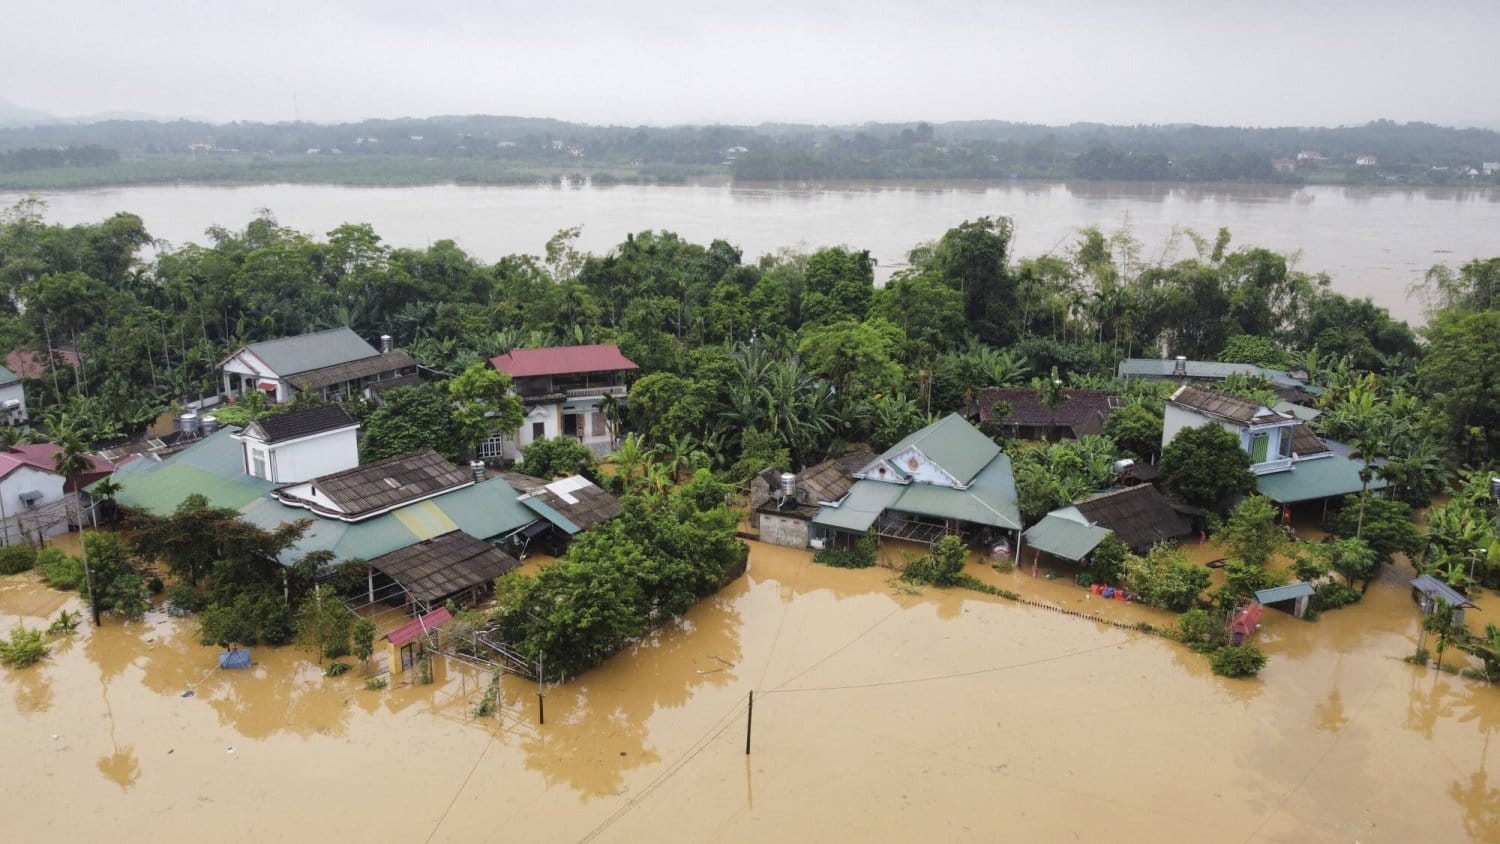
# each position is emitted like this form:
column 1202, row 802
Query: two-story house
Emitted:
column 334, row 364
column 301, row 445
column 1291, row 463
column 563, row 389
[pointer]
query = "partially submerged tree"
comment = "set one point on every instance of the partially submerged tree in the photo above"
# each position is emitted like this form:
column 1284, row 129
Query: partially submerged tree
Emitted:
column 1205, row 467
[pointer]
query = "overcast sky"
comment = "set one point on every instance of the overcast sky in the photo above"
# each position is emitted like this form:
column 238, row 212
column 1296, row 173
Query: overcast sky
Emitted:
column 1147, row 61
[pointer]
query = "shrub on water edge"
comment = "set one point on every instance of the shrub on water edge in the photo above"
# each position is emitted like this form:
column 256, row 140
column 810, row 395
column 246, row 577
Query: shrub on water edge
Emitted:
column 1331, row 596
column 336, row 669
column 861, row 556
column 65, row 623
column 1237, row 661
column 24, row 647
column 16, row 558
column 1421, row 656
column 375, row 684
column 1203, row 631
column 60, row 570
column 185, row 597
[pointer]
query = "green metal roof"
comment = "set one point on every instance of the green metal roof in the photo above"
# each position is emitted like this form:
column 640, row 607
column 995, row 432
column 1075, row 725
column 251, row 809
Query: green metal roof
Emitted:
column 306, row 352
column 548, row 512
column 1064, row 537
column 212, row 468
column 989, row 500
column 1306, row 414
column 8, row 377
column 860, row 508
column 1288, row 592
column 1310, row 480
column 953, row 444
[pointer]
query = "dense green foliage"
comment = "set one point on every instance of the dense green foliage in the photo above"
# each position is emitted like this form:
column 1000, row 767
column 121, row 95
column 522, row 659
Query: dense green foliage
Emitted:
column 861, row 555
column 24, row 647
column 555, row 457
column 1251, row 533
column 1205, row 466
column 1238, row 661
column 942, row 566
column 1205, row 631
column 618, row 581
column 1166, row 578
column 1384, row 526
column 16, row 558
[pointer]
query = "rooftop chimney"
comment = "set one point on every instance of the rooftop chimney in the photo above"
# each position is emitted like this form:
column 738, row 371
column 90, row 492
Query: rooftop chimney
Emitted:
column 385, row 344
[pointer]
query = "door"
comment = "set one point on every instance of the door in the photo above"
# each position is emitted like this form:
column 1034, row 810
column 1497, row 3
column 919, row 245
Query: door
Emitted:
column 538, row 431
column 570, row 425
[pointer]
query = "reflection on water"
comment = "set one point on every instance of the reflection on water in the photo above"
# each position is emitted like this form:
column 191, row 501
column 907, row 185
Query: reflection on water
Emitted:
column 880, row 715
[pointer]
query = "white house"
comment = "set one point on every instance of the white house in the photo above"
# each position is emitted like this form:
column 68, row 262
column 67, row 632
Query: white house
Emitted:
column 300, row 445
column 333, row 363
column 12, row 399
column 1291, row 463
column 1366, row 161
column 562, row 389
column 33, row 495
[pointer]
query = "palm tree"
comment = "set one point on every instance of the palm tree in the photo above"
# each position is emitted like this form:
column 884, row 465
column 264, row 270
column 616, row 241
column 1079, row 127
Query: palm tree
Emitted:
column 631, row 457
column 72, row 460
column 1441, row 624
column 1050, row 393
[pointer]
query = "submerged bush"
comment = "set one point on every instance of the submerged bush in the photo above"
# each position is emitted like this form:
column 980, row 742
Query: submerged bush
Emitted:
column 942, row 566
column 861, row 556
column 375, row 684
column 336, row 669
column 60, row 570
column 1203, row 631
column 24, row 647
column 185, row 598
column 16, row 558
column 1331, row 596
column 1237, row 661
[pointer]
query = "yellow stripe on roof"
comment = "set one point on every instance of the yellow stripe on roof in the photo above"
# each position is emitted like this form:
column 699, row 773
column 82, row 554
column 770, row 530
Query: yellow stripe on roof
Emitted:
column 425, row 520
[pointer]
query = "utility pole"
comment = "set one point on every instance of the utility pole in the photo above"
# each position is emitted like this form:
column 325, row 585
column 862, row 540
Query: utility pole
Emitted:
column 88, row 579
column 749, row 721
column 541, row 693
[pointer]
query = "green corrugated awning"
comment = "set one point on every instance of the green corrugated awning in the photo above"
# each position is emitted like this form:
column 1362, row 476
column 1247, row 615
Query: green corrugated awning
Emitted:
column 1063, row 537
column 860, row 508
column 548, row 512
column 1310, row 480
column 588, row 405
column 1288, row 592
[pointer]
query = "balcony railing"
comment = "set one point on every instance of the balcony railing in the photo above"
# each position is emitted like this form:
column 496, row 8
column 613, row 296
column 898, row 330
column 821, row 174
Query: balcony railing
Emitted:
column 616, row 390
column 1270, row 466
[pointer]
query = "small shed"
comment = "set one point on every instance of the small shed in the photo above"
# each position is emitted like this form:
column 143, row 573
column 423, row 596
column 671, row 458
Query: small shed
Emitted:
column 1426, row 590
column 1245, row 622
column 1299, row 593
column 405, row 641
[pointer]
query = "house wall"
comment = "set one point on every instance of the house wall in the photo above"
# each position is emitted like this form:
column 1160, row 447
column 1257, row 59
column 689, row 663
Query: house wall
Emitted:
column 13, row 392
column 913, row 462
column 783, row 530
column 248, row 367
column 1177, row 418
column 305, row 459
column 550, row 415
column 28, row 478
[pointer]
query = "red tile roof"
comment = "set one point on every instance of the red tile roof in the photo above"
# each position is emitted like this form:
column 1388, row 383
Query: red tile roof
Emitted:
column 418, row 626
column 562, row 360
column 29, row 364
column 39, row 456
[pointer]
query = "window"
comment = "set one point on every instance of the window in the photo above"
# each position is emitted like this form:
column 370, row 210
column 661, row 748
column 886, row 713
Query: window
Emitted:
column 1260, row 445
column 1286, row 443
column 492, row 448
column 538, row 431
column 258, row 464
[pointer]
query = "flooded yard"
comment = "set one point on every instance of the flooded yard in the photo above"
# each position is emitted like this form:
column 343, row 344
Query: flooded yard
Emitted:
column 879, row 714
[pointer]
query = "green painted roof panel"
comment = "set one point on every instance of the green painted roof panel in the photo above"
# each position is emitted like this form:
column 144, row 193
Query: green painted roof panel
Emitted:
column 860, row 508
column 1310, row 480
column 548, row 512
column 1064, row 537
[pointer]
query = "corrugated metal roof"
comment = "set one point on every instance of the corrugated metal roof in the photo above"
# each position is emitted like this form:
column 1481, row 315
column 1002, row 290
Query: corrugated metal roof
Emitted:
column 279, row 427
column 418, row 626
column 445, row 565
column 562, row 360
column 339, row 373
column 1209, row 370
column 1430, row 585
column 306, row 352
column 860, row 508
column 1310, row 480
column 1301, row 411
column 953, row 444
column 1288, row 592
column 1063, row 537
column 212, row 468
column 1226, row 406
column 548, row 512
column 8, row 377
column 990, row 499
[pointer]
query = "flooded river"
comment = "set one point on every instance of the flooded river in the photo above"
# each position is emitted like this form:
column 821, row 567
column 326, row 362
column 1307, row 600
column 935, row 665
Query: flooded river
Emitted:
column 1373, row 241
column 880, row 714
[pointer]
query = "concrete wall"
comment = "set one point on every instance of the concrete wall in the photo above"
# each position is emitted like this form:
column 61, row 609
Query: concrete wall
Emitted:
column 29, row 478
column 305, row 459
column 783, row 530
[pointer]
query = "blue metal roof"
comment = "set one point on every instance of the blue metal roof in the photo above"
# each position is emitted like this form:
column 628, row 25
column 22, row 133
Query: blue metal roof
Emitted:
column 1300, row 589
column 1430, row 585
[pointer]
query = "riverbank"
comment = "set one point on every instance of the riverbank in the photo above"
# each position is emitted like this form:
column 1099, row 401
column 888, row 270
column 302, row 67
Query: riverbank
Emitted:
column 879, row 715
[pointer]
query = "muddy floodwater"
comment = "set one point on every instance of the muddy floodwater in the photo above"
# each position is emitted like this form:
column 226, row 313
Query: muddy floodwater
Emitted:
column 880, row 714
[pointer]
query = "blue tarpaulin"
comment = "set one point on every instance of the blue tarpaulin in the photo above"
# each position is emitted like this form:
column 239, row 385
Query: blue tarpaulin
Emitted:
column 234, row 659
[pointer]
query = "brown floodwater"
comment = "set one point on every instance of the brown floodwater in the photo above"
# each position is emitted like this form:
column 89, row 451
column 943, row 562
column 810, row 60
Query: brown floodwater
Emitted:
column 881, row 713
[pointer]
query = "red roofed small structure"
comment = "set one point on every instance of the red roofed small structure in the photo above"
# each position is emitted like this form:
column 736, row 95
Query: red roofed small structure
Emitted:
column 418, row 627
column 1246, row 622
column 42, row 456
column 563, row 360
